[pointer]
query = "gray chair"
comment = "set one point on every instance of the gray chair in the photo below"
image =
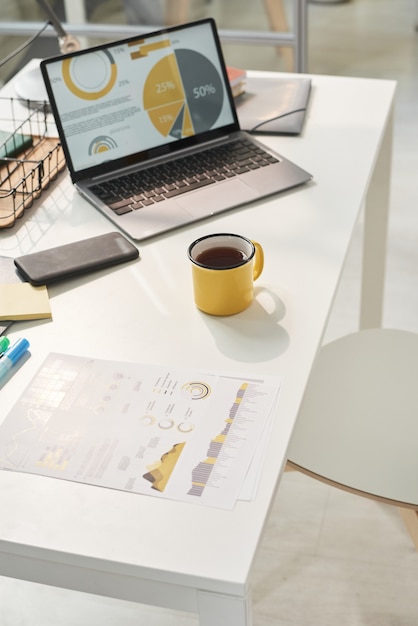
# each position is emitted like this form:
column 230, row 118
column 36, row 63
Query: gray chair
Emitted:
column 358, row 424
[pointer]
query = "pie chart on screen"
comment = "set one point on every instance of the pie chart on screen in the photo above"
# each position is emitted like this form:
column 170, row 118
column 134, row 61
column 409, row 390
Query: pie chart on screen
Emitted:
column 183, row 94
column 92, row 80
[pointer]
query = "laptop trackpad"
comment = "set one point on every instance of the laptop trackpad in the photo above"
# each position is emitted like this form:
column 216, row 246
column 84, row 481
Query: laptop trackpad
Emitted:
column 217, row 197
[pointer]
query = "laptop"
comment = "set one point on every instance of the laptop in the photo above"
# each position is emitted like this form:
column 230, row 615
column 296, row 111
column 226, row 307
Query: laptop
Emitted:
column 148, row 125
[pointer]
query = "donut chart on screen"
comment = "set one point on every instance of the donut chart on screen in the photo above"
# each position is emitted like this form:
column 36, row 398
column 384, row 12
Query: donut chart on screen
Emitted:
column 179, row 101
column 93, row 80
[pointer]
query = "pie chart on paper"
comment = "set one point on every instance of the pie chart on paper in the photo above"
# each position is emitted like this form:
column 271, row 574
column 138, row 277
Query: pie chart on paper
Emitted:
column 183, row 94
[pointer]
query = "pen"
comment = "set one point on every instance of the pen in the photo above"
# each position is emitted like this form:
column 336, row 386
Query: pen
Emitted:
column 4, row 344
column 12, row 355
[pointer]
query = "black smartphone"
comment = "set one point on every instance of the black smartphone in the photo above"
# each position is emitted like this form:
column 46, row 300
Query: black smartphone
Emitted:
column 73, row 259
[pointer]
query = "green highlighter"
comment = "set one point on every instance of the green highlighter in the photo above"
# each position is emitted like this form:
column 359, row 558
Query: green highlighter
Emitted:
column 4, row 344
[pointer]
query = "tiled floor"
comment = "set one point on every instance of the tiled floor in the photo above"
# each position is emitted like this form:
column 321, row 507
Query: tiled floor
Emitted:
column 327, row 557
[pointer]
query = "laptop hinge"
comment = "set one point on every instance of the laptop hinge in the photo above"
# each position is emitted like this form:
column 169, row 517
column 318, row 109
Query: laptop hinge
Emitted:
column 161, row 159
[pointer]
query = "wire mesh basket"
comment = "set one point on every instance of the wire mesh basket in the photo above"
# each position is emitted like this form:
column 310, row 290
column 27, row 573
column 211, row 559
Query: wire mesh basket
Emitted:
column 30, row 159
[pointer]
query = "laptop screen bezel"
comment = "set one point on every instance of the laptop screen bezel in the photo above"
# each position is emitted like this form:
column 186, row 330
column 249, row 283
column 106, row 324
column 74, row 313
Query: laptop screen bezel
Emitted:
column 170, row 148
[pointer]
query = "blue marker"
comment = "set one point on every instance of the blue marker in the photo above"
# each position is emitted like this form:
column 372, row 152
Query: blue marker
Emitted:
column 12, row 355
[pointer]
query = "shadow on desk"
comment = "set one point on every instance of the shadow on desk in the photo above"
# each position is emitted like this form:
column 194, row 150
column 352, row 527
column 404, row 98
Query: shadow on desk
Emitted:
column 255, row 334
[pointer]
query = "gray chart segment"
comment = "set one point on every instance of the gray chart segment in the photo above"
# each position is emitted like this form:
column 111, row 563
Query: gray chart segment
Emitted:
column 203, row 88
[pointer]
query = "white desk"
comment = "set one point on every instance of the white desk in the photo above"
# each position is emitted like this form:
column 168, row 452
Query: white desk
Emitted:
column 165, row 553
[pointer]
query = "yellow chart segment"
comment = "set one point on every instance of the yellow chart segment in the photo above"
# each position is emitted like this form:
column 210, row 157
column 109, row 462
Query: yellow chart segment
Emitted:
column 165, row 100
column 163, row 117
column 163, row 85
column 144, row 50
column 160, row 472
column 187, row 123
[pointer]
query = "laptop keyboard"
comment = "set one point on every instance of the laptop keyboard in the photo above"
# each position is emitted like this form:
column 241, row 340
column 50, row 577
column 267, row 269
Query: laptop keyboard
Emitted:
column 167, row 180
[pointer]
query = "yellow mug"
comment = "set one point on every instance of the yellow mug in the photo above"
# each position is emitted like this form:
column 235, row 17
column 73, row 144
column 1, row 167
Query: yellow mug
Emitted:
column 224, row 268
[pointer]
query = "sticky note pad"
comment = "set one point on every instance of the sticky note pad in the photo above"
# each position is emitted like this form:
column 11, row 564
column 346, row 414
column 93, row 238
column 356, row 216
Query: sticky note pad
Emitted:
column 22, row 301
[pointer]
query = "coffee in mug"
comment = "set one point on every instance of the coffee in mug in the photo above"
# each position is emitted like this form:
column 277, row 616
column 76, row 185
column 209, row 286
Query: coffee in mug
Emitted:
column 224, row 268
column 221, row 257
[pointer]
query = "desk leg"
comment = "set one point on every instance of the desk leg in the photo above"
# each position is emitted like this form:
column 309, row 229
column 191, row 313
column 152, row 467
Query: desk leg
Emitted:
column 375, row 235
column 222, row 610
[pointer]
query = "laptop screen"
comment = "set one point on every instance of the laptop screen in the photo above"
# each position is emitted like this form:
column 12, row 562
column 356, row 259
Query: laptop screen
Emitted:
column 142, row 96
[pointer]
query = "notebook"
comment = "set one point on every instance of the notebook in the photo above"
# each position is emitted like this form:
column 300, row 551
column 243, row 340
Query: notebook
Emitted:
column 157, row 112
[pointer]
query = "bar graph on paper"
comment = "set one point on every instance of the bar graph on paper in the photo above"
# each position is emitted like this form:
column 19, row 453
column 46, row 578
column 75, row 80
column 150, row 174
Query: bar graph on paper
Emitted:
column 221, row 451
column 154, row 430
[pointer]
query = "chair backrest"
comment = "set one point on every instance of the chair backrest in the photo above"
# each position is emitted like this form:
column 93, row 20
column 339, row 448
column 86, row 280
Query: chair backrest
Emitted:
column 358, row 423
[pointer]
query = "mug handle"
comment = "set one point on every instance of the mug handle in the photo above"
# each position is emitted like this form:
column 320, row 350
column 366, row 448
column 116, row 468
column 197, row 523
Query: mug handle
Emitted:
column 258, row 260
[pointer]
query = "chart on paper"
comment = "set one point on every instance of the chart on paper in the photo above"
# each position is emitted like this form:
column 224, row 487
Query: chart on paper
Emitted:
column 155, row 430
